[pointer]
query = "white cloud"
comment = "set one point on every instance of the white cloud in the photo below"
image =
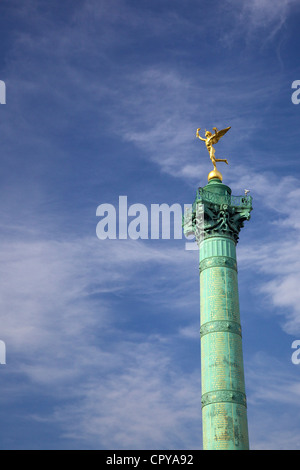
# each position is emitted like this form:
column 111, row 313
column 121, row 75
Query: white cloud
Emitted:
column 259, row 18
column 272, row 251
column 49, row 286
column 65, row 336
column 146, row 404
column 272, row 389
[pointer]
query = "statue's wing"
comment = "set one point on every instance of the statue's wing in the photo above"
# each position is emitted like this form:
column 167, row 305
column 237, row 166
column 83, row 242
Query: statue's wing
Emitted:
column 214, row 139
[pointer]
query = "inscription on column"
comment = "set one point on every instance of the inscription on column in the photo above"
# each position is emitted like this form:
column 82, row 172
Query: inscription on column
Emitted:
column 222, row 362
column 219, row 295
column 225, row 426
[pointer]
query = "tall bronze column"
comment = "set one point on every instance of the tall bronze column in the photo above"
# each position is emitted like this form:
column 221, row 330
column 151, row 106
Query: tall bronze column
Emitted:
column 216, row 219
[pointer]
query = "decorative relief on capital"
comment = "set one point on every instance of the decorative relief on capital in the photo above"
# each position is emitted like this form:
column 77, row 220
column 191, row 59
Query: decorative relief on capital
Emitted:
column 224, row 220
column 215, row 215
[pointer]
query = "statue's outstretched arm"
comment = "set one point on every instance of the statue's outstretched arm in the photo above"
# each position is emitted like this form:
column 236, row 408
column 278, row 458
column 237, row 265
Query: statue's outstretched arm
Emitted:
column 199, row 136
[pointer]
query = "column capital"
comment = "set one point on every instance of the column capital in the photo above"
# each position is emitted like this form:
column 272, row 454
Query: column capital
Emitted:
column 216, row 212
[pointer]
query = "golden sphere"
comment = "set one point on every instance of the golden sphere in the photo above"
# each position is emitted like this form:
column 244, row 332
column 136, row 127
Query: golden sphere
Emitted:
column 215, row 174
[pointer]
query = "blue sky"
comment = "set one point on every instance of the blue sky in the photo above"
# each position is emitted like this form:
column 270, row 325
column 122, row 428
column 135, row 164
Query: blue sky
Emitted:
column 103, row 99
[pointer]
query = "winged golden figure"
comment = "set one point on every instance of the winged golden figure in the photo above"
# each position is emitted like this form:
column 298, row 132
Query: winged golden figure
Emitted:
column 212, row 139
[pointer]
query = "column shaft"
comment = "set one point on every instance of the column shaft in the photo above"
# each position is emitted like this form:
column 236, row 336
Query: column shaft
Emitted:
column 224, row 410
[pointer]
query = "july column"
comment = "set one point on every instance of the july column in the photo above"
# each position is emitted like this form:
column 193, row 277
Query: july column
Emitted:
column 224, row 408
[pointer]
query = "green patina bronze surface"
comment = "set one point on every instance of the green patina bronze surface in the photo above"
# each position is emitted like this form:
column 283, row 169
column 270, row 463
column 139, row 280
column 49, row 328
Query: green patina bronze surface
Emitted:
column 224, row 408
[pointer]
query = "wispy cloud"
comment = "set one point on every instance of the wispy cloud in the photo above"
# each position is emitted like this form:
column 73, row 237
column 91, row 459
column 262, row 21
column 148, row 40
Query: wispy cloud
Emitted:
column 60, row 324
column 46, row 278
column 145, row 404
column 272, row 385
column 261, row 19
column 271, row 251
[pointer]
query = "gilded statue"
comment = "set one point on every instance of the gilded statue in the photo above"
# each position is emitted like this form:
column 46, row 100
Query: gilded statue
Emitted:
column 210, row 140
